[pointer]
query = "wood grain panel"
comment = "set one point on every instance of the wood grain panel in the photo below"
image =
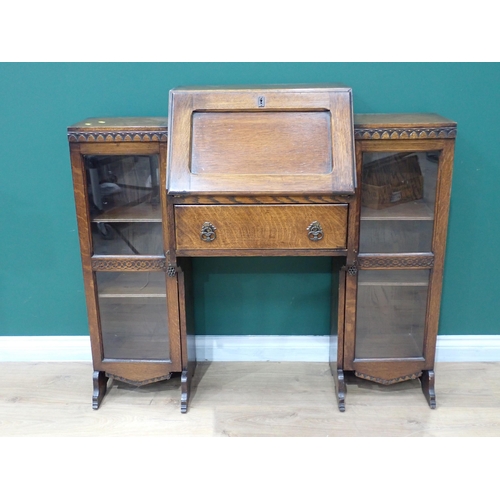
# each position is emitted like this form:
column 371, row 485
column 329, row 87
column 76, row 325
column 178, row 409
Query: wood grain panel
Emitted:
column 262, row 143
column 261, row 227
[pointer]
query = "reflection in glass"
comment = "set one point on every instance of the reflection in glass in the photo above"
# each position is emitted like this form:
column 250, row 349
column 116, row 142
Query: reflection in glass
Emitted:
column 124, row 204
column 398, row 198
column 393, row 236
column 133, row 312
column 391, row 309
column 127, row 238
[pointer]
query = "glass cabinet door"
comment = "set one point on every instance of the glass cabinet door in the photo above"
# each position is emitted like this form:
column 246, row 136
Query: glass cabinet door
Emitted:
column 125, row 213
column 133, row 315
column 124, row 204
column 391, row 311
column 397, row 202
column 398, row 197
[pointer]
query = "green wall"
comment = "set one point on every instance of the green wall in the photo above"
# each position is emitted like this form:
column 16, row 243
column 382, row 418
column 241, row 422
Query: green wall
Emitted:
column 41, row 287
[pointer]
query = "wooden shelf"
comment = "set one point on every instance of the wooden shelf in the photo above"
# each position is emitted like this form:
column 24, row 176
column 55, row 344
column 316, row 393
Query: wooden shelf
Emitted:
column 145, row 212
column 413, row 210
column 135, row 329
column 131, row 285
column 422, row 209
column 389, row 345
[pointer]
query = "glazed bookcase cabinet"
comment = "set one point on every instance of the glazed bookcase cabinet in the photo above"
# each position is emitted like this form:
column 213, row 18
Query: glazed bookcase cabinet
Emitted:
column 263, row 171
column 119, row 174
column 391, row 284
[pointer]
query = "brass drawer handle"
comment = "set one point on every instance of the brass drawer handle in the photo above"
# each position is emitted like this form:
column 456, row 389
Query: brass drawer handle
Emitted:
column 315, row 231
column 208, row 232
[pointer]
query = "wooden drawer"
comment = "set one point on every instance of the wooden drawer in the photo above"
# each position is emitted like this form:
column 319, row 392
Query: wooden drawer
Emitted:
column 262, row 227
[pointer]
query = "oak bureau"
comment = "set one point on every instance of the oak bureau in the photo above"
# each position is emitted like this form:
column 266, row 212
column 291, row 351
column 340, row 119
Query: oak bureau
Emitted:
column 263, row 171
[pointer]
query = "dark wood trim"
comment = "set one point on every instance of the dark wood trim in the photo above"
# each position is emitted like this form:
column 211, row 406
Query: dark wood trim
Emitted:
column 119, row 129
column 84, row 232
column 409, row 126
column 170, row 229
column 403, row 378
column 258, row 200
column 384, row 133
column 441, row 213
column 119, row 136
column 162, row 163
column 427, row 379
column 351, row 290
column 337, row 363
column 341, row 320
column 131, row 263
column 394, row 261
column 389, row 371
column 138, row 372
column 187, row 334
column 142, row 382
column 340, row 388
column 100, row 382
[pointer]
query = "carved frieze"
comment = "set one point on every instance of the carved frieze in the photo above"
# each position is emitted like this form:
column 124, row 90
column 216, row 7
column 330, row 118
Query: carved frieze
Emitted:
column 140, row 383
column 119, row 136
column 114, row 264
column 388, row 261
column 404, row 133
column 391, row 381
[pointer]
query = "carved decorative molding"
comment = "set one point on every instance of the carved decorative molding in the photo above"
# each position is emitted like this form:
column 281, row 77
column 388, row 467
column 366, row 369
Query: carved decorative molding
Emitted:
column 118, row 136
column 100, row 264
column 391, row 381
column 386, row 262
column 142, row 382
column 258, row 200
column 405, row 133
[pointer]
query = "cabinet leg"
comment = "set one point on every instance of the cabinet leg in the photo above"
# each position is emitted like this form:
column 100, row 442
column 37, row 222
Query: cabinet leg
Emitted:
column 427, row 380
column 186, row 377
column 100, row 384
column 340, row 388
column 185, row 386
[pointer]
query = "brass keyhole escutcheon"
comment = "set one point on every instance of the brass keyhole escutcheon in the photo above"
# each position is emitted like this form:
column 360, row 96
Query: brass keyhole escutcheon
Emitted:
column 208, row 232
column 315, row 231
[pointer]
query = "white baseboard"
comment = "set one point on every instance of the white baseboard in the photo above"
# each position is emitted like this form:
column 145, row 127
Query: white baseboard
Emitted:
column 465, row 348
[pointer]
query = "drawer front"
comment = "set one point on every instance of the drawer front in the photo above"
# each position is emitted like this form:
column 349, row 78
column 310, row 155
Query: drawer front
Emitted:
column 266, row 227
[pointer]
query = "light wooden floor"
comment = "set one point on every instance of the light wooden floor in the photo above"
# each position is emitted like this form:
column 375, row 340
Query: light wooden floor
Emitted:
column 247, row 399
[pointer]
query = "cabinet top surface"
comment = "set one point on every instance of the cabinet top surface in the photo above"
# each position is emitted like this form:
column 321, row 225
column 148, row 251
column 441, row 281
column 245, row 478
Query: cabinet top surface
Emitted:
column 300, row 87
column 121, row 123
column 401, row 120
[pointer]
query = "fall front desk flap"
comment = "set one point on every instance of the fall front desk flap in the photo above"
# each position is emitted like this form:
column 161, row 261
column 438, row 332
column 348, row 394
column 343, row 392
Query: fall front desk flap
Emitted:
column 261, row 140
